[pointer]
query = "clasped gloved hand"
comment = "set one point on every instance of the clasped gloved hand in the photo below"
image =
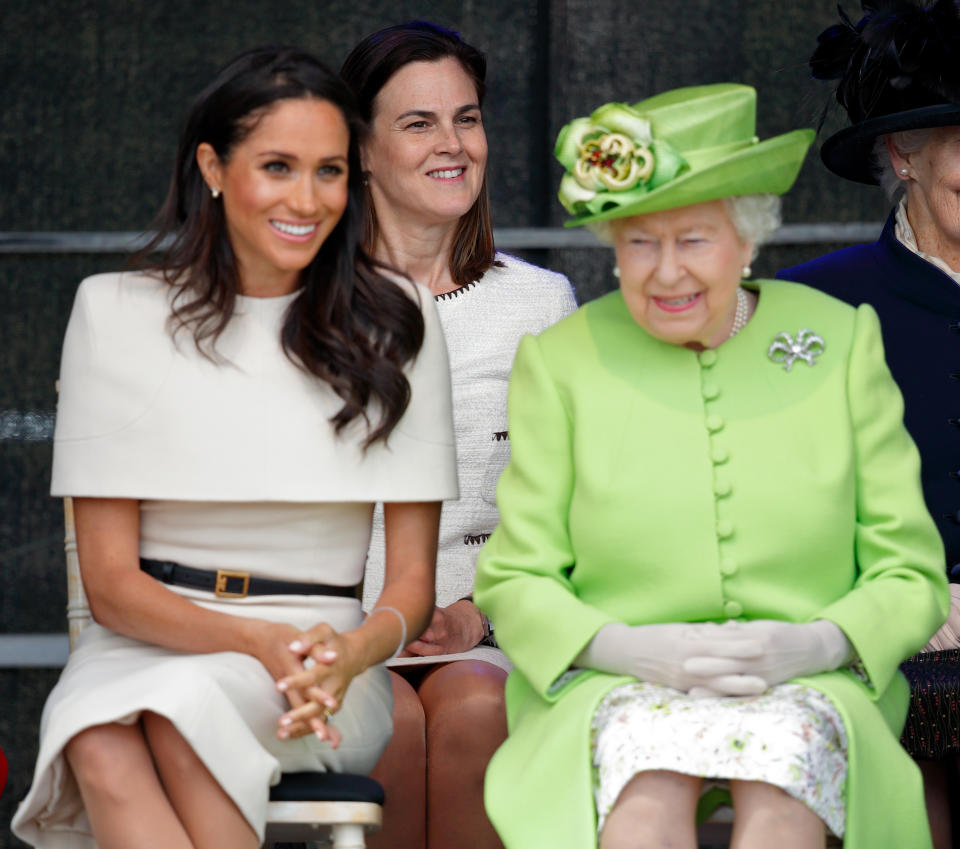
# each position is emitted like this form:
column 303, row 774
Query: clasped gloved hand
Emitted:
column 660, row 654
column 787, row 650
column 707, row 659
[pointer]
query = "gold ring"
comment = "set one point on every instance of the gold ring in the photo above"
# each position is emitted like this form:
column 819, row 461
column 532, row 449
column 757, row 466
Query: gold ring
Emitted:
column 325, row 714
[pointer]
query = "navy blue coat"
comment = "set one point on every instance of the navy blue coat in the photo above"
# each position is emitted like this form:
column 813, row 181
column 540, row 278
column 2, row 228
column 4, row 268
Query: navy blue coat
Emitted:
column 919, row 309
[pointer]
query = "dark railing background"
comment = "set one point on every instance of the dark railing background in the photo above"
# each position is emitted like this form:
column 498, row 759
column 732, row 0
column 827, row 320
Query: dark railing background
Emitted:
column 93, row 91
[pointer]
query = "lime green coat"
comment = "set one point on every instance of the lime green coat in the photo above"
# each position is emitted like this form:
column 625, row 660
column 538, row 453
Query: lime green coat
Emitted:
column 649, row 483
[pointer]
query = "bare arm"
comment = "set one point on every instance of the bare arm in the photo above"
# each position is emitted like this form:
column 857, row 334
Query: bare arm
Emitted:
column 408, row 588
column 132, row 603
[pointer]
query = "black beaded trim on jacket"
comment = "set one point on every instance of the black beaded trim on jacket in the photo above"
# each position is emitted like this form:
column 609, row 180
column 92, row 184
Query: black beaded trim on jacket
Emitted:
column 475, row 539
column 455, row 293
column 500, row 435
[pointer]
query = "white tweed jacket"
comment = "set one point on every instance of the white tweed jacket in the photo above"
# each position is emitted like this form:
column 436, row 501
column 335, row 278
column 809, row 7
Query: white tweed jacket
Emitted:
column 483, row 323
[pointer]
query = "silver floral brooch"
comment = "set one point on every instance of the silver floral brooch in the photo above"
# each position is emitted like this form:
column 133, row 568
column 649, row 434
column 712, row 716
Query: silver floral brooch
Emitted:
column 787, row 350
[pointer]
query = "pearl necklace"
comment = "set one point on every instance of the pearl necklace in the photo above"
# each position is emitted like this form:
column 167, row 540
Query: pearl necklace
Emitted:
column 741, row 314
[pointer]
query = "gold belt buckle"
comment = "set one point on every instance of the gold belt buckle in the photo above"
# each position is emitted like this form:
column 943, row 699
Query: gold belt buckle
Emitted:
column 220, row 588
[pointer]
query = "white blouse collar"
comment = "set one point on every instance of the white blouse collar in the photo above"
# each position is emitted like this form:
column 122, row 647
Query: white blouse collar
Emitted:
column 906, row 237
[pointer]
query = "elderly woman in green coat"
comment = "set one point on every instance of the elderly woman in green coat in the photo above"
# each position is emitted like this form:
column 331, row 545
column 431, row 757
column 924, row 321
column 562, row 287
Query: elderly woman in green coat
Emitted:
column 713, row 551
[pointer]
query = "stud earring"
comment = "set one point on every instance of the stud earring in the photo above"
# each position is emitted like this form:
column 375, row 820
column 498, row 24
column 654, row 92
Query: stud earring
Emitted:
column 904, row 172
column 616, row 271
column 215, row 192
column 746, row 271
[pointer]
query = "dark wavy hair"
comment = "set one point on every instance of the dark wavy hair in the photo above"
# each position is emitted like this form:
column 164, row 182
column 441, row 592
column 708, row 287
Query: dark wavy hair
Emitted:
column 367, row 69
column 350, row 326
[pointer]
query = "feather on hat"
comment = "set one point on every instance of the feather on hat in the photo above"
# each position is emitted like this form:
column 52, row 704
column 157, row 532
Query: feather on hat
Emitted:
column 898, row 69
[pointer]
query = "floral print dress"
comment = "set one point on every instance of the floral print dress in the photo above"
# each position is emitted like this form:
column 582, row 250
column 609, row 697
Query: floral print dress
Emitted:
column 791, row 736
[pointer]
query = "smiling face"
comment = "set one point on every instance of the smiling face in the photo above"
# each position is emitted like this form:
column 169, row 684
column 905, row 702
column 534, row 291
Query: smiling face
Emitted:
column 427, row 152
column 933, row 194
column 284, row 188
column 679, row 272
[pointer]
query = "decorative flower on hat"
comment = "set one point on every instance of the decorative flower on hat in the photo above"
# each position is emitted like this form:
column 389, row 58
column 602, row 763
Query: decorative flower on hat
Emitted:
column 611, row 158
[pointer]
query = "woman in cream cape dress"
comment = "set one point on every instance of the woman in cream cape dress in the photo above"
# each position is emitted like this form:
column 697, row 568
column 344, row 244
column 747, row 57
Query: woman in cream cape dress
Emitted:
column 237, row 467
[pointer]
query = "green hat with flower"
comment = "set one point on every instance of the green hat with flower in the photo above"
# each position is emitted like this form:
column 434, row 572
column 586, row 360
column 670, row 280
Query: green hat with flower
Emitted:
column 685, row 146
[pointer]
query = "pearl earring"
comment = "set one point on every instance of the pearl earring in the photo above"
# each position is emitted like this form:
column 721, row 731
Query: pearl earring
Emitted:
column 904, row 172
column 215, row 192
column 746, row 271
column 616, row 271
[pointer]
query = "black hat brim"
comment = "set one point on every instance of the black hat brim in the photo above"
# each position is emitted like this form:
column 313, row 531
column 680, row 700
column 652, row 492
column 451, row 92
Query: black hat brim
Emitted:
column 849, row 153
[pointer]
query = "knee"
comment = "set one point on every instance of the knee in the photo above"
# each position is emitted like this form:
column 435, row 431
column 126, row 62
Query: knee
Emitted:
column 465, row 716
column 654, row 809
column 485, row 692
column 102, row 758
column 758, row 804
column 469, row 699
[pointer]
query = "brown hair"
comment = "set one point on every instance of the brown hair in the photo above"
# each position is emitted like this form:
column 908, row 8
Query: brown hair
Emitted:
column 350, row 326
column 368, row 68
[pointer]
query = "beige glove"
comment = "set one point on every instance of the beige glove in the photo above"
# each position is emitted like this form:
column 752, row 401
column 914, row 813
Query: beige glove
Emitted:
column 787, row 651
column 660, row 654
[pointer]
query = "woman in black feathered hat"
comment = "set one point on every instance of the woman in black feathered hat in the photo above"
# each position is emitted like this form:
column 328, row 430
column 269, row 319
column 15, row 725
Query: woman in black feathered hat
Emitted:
column 899, row 81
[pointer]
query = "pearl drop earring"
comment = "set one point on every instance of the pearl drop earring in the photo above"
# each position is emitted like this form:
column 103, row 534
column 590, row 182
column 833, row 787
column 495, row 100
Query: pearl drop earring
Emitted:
column 616, row 271
column 215, row 192
column 747, row 271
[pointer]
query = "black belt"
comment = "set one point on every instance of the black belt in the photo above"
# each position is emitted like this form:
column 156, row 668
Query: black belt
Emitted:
column 227, row 583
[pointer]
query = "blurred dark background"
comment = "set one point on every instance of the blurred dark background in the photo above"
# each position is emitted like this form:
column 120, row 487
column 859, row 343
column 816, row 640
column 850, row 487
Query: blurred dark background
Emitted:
column 92, row 95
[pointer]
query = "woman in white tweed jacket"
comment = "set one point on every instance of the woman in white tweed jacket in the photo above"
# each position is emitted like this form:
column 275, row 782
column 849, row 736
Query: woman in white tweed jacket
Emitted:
column 420, row 89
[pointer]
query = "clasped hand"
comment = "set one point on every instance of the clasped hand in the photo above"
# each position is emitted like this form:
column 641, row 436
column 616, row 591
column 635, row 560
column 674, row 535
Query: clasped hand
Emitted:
column 312, row 669
column 705, row 658
column 786, row 650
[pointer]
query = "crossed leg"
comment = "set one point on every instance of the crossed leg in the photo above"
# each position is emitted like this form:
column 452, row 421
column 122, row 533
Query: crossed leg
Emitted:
column 124, row 772
column 121, row 791
column 209, row 815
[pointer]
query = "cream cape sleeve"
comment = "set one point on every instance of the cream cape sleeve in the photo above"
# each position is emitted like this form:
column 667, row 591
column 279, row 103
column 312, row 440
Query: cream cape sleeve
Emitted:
column 144, row 415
